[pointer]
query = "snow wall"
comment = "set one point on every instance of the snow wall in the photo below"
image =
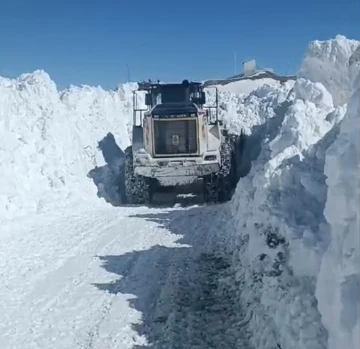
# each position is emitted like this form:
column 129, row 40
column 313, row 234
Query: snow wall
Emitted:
column 49, row 141
column 338, row 288
column 59, row 147
column 296, row 225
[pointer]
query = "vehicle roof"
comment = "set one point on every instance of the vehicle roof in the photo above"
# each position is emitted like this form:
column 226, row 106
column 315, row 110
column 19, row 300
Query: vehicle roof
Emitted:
column 150, row 85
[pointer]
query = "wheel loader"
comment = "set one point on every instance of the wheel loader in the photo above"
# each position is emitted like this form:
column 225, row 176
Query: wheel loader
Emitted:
column 178, row 140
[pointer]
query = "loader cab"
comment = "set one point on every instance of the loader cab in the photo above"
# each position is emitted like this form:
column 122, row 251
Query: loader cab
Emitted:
column 181, row 93
column 177, row 98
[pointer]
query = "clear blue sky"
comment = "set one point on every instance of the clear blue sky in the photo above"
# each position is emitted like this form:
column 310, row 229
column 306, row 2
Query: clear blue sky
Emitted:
column 91, row 42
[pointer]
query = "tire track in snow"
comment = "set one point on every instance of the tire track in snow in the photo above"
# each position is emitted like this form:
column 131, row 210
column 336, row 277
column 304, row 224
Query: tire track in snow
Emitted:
column 181, row 300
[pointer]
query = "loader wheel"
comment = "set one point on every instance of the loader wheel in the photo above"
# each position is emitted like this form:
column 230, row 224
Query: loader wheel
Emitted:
column 137, row 188
column 219, row 186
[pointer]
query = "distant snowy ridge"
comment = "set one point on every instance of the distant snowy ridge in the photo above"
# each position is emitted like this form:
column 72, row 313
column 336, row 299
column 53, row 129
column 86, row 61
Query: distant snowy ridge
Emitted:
column 245, row 84
column 280, row 230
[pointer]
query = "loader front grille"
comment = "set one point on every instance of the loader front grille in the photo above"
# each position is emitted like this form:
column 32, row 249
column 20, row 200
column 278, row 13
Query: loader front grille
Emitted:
column 175, row 137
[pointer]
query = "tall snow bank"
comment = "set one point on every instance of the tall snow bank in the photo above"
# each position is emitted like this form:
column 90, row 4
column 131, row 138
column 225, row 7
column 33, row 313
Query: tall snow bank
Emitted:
column 49, row 140
column 328, row 62
column 244, row 111
column 338, row 287
column 281, row 232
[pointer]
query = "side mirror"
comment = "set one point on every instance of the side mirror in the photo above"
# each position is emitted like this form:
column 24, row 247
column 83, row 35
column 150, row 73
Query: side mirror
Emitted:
column 202, row 98
column 148, row 99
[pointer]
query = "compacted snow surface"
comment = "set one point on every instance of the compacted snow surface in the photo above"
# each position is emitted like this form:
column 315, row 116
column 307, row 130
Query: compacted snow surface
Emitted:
column 277, row 267
column 103, row 277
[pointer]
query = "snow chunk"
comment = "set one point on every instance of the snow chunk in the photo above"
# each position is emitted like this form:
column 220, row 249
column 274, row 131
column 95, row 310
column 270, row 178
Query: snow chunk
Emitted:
column 243, row 111
column 313, row 92
column 300, row 126
column 328, row 62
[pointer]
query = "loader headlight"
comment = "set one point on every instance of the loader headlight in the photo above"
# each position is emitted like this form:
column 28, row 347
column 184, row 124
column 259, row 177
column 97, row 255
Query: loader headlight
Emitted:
column 210, row 158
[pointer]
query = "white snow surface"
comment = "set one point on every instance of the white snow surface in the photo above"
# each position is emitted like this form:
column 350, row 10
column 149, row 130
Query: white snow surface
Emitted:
column 78, row 272
column 247, row 86
column 95, row 276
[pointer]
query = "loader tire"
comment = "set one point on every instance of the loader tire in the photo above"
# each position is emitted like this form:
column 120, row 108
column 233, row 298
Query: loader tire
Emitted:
column 137, row 188
column 219, row 187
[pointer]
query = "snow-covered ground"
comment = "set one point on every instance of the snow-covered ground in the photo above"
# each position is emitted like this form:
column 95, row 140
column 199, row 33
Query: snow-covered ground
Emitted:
column 277, row 267
column 108, row 278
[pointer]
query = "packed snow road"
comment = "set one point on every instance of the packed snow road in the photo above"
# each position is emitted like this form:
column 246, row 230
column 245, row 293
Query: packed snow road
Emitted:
column 113, row 278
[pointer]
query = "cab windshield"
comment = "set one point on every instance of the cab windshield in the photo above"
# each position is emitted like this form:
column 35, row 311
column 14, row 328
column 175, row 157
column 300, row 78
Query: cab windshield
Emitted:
column 173, row 94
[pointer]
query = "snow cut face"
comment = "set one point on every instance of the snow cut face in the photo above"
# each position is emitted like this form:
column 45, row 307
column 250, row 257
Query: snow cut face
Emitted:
column 338, row 287
column 281, row 229
column 49, row 140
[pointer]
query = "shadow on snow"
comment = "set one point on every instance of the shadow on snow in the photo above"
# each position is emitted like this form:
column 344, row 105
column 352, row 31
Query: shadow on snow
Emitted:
column 177, row 288
column 108, row 178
